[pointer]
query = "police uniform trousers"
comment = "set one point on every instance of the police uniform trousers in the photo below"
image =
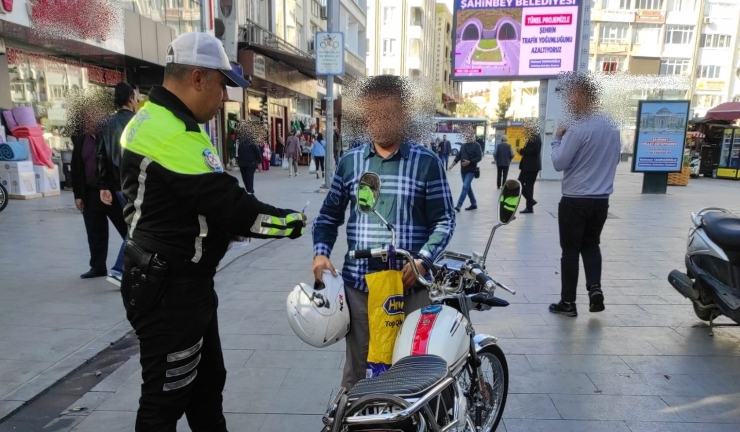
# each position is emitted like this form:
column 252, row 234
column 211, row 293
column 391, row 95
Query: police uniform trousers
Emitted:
column 181, row 359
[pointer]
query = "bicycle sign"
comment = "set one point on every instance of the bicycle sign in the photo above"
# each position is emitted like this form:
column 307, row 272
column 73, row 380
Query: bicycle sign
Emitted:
column 329, row 53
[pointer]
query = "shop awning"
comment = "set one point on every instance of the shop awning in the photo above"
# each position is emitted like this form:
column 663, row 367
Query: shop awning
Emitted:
column 304, row 65
column 726, row 111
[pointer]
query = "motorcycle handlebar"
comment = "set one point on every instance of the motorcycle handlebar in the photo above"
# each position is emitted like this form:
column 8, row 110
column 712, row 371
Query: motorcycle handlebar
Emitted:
column 383, row 253
column 482, row 278
column 361, row 254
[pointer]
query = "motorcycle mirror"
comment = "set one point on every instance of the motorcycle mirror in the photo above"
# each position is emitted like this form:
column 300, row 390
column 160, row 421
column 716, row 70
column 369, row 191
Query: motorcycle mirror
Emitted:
column 368, row 192
column 509, row 199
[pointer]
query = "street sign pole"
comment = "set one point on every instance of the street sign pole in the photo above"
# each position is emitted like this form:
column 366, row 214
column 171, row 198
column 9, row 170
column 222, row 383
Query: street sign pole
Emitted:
column 330, row 46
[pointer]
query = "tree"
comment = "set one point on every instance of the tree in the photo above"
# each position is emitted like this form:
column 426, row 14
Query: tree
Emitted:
column 504, row 101
column 468, row 109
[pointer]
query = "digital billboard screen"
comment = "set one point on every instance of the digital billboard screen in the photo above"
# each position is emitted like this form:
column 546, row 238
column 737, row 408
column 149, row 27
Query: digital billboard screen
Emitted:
column 506, row 39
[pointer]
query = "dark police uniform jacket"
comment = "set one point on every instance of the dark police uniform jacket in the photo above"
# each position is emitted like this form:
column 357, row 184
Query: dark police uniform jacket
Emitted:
column 181, row 203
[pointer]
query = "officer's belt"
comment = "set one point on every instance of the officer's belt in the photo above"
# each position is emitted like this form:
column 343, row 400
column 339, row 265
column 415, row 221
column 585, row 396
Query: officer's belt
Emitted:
column 174, row 266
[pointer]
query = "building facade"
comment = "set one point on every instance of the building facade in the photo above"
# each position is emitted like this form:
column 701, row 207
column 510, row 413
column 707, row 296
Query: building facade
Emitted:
column 401, row 37
column 274, row 44
column 277, row 52
column 694, row 38
column 449, row 93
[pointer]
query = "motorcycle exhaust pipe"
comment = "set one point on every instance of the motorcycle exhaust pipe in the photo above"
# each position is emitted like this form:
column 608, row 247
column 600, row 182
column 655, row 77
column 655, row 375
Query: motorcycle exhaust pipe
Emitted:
column 683, row 284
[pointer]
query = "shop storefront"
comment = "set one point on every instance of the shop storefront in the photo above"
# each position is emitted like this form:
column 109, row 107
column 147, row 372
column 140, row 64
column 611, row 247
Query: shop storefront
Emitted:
column 43, row 83
column 286, row 98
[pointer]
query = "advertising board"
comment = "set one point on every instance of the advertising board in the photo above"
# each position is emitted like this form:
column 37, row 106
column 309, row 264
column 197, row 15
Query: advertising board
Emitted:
column 514, row 39
column 660, row 136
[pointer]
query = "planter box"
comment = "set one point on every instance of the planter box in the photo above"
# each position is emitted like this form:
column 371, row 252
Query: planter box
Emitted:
column 680, row 179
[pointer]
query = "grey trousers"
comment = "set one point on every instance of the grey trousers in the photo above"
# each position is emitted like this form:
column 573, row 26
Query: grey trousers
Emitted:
column 358, row 338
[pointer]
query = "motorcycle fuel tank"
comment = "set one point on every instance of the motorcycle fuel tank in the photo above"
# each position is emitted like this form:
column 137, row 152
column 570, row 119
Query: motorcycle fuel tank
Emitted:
column 436, row 329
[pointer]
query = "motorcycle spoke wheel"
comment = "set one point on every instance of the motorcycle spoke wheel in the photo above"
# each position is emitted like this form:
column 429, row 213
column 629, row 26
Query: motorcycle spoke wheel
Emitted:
column 495, row 372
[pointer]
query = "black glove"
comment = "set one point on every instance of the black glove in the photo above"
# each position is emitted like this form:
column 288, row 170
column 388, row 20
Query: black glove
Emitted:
column 296, row 225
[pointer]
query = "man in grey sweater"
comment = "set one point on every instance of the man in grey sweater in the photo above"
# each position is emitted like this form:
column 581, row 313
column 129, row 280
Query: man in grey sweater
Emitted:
column 587, row 152
column 502, row 156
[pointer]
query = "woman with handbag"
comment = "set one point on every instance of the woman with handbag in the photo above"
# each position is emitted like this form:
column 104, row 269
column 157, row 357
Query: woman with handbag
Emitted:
column 470, row 154
column 318, row 151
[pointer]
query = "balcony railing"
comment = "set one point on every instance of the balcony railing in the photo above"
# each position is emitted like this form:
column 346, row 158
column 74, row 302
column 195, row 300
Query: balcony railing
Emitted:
column 254, row 34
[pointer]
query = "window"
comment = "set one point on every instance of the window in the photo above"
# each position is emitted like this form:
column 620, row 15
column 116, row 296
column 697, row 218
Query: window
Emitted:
column 706, row 101
column 415, row 48
column 612, row 32
column 708, row 72
column 681, row 5
column 679, row 34
column 719, row 10
column 389, row 71
column 417, row 17
column 715, row 41
column 647, row 34
column 299, row 36
column 675, row 66
column 389, row 47
column 616, row 4
column 388, row 13
column 610, row 63
column 593, row 30
column 315, row 8
column 648, row 4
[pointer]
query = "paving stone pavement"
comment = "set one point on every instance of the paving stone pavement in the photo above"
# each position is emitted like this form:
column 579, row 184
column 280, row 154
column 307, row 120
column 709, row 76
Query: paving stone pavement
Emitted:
column 642, row 365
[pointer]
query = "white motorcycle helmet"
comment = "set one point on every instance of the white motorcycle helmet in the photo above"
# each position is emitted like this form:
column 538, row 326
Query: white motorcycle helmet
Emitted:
column 320, row 317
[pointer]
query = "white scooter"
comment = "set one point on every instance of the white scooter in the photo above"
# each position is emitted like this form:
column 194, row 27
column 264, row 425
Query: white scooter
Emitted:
column 444, row 377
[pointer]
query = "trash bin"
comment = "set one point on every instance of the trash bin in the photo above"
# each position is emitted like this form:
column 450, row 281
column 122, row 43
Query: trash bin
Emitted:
column 625, row 157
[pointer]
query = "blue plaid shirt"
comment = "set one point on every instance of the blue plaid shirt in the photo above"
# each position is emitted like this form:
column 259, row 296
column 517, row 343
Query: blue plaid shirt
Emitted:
column 414, row 196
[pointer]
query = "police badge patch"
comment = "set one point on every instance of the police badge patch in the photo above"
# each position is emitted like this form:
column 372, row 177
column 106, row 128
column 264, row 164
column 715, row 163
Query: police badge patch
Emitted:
column 214, row 164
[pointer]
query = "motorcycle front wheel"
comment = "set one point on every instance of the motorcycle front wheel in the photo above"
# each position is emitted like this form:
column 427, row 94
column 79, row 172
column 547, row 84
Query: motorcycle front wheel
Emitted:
column 495, row 373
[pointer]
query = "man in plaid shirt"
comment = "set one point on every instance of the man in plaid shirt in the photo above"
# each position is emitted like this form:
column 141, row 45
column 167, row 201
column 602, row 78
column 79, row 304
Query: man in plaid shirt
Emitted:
column 414, row 196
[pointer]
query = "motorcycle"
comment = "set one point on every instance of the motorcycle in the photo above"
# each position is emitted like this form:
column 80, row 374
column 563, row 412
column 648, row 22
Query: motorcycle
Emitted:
column 712, row 278
column 3, row 197
column 444, row 376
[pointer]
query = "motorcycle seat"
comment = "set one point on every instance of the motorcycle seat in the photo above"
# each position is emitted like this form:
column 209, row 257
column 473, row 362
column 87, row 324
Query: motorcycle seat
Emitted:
column 723, row 229
column 409, row 377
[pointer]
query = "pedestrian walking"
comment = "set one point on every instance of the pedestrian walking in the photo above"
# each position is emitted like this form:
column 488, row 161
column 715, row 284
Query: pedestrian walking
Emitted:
column 503, row 156
column 248, row 154
column 293, row 153
column 108, row 159
column 186, row 210
column 318, row 151
column 86, row 189
column 469, row 156
column 588, row 153
column 338, row 150
column 275, row 158
column 429, row 215
column 266, row 155
column 530, row 166
column 445, row 148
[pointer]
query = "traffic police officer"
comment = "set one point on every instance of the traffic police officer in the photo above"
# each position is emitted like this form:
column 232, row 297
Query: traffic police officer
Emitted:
column 182, row 211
